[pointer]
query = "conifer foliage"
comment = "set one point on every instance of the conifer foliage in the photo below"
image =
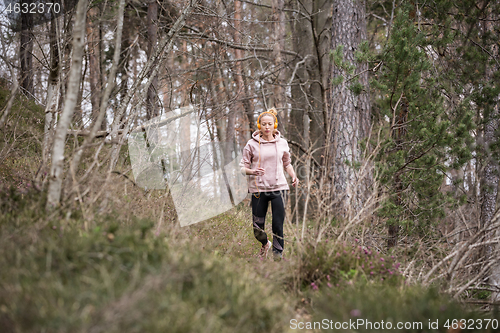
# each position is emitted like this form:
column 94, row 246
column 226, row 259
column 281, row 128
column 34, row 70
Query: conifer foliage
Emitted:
column 422, row 140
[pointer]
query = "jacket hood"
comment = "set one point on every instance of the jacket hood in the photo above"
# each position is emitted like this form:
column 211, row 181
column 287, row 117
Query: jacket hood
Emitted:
column 256, row 136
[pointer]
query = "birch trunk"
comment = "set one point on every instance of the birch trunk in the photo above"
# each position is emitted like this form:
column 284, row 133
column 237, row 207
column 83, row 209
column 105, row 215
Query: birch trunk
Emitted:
column 56, row 171
column 52, row 96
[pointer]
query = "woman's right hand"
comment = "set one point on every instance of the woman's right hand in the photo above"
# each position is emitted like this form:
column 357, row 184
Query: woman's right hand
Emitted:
column 258, row 171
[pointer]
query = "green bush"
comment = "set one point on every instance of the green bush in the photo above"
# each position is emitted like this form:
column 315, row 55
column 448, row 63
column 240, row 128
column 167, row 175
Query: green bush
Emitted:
column 414, row 307
column 331, row 264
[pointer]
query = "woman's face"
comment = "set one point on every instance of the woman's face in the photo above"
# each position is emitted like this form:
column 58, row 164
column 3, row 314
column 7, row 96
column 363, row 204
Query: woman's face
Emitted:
column 267, row 124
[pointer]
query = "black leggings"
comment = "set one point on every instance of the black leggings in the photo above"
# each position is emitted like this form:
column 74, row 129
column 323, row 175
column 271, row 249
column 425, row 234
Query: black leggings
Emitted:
column 260, row 202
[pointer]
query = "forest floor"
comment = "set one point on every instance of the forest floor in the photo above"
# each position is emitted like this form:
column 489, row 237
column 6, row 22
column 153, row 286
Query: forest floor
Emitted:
column 118, row 261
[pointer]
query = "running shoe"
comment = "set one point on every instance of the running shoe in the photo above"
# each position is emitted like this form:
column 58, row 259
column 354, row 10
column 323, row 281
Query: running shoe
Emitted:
column 265, row 249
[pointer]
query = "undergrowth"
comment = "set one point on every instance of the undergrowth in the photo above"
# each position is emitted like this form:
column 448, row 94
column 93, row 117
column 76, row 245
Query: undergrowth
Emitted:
column 409, row 309
column 116, row 277
column 121, row 263
column 20, row 141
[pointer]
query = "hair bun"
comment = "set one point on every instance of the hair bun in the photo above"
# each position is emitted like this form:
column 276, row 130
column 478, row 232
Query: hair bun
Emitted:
column 273, row 111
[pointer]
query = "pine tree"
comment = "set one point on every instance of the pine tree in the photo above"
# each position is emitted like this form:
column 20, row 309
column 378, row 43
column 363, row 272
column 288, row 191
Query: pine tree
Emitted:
column 466, row 37
column 349, row 121
column 423, row 140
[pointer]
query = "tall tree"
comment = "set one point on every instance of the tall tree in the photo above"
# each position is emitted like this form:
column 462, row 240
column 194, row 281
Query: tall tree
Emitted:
column 26, row 50
column 242, row 86
column 310, row 23
column 278, row 34
column 94, row 59
column 350, row 106
column 56, row 170
column 488, row 140
column 151, row 103
column 425, row 138
column 125, row 51
column 463, row 37
column 53, row 95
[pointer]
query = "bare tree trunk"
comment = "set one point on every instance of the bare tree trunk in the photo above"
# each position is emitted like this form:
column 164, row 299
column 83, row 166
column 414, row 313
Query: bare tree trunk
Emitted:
column 240, row 82
column 56, row 171
column 309, row 85
column 230, row 136
column 185, row 142
column 350, row 113
column 53, row 95
column 26, row 52
column 218, row 110
column 364, row 97
column 319, row 75
column 490, row 177
column 398, row 134
column 151, row 103
column 152, row 66
column 278, row 98
column 227, row 129
column 94, row 57
column 125, row 54
column 110, row 84
column 298, row 132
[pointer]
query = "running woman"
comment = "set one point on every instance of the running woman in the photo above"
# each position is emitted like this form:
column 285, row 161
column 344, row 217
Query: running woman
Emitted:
column 265, row 156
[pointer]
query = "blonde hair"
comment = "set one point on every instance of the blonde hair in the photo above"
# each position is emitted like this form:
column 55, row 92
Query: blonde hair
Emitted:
column 273, row 112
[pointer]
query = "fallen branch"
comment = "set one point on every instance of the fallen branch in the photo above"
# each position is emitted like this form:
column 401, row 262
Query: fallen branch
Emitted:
column 124, row 175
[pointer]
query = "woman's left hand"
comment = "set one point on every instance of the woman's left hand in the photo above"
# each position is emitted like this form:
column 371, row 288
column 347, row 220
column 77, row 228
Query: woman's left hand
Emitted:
column 295, row 182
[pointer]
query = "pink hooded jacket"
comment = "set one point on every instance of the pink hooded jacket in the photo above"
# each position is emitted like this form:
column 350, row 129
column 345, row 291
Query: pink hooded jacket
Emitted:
column 274, row 157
